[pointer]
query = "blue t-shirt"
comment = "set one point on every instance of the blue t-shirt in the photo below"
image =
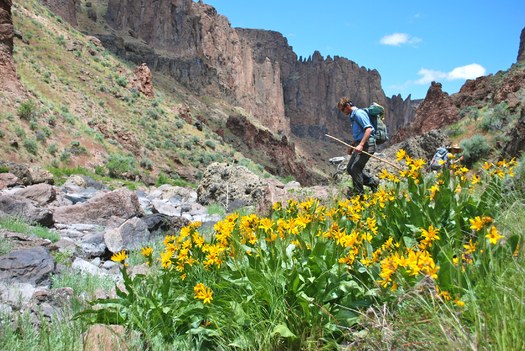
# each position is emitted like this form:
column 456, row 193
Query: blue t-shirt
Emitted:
column 360, row 122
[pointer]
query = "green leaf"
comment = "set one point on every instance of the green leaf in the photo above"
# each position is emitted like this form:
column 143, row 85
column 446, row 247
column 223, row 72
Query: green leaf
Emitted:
column 283, row 331
column 409, row 242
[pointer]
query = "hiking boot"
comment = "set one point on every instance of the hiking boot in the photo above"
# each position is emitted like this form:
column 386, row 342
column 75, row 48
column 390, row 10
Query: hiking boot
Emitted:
column 350, row 193
column 373, row 186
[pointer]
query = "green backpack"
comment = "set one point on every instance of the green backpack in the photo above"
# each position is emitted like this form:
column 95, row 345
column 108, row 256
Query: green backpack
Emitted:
column 376, row 114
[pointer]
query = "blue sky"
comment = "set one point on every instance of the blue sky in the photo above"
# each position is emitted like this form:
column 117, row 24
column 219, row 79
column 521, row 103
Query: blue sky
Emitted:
column 410, row 42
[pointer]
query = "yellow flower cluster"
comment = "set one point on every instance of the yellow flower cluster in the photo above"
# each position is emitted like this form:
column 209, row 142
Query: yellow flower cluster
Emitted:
column 413, row 262
column 429, row 236
column 501, row 168
column 202, row 292
column 356, row 229
column 120, row 257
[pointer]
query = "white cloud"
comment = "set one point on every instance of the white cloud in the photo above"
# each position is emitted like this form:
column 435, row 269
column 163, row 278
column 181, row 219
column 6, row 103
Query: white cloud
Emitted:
column 398, row 39
column 429, row 75
column 471, row 71
column 467, row 72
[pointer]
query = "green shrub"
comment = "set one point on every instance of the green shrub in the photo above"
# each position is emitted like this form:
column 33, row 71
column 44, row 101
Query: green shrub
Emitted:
column 65, row 156
column 20, row 132
column 210, row 144
column 5, row 246
column 122, row 81
column 475, row 149
column 146, row 163
column 33, row 125
column 118, row 165
column 100, row 170
column 31, row 146
column 52, row 149
column 26, row 110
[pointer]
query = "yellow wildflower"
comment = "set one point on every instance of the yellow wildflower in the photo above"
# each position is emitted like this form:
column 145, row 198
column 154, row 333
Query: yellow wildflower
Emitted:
column 455, row 260
column 459, row 303
column 198, row 239
column 487, row 166
column 470, row 247
column 431, row 234
column 433, row 190
column 119, row 257
column 146, row 251
column 494, row 236
column 477, row 223
column 202, row 292
column 165, row 259
column 400, row 154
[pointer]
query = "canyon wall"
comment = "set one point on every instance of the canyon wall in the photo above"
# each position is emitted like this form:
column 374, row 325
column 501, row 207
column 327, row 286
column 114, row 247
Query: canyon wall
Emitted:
column 255, row 69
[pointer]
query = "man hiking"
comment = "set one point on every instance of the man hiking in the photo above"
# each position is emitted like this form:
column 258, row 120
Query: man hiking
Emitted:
column 363, row 135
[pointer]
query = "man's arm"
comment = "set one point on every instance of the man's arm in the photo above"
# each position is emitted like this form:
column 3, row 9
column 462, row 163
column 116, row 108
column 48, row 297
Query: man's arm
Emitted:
column 361, row 145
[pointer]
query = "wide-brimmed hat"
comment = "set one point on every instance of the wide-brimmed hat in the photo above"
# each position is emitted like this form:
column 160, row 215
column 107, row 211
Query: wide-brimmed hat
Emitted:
column 455, row 148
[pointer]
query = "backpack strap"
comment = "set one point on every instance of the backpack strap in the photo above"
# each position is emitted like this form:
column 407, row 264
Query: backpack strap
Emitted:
column 370, row 118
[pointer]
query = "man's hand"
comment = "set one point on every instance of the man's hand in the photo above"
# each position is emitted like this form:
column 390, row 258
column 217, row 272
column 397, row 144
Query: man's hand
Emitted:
column 359, row 148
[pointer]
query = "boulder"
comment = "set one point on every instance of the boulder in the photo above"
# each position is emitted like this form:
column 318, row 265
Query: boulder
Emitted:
column 32, row 266
column 132, row 234
column 42, row 193
column 8, row 180
column 25, row 209
column 224, row 183
column 101, row 209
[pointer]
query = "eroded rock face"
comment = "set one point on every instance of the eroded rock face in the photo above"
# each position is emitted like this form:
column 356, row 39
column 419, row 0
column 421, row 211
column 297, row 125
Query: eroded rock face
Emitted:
column 143, row 80
column 438, row 109
column 10, row 83
column 279, row 154
column 64, row 8
column 255, row 69
column 521, row 51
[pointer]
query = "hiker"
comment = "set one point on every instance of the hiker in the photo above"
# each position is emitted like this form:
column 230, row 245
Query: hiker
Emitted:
column 362, row 133
column 446, row 156
column 455, row 154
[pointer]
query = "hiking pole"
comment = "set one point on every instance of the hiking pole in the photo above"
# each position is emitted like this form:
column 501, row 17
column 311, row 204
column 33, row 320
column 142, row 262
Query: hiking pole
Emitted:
column 366, row 153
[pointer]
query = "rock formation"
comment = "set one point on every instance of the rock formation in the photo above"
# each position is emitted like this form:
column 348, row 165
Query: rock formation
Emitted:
column 10, row 83
column 255, row 69
column 521, row 50
column 438, row 109
column 67, row 9
column 198, row 47
column 143, row 80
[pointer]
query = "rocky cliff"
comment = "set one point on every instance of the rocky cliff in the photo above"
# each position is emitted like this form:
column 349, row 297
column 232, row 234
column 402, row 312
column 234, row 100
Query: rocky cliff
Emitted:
column 441, row 109
column 521, row 50
column 195, row 44
column 255, row 69
column 10, row 83
column 67, row 9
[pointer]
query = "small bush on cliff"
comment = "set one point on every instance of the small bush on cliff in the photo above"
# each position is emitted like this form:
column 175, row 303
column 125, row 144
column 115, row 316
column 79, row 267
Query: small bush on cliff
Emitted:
column 475, row 149
column 118, row 165
column 26, row 110
column 31, row 146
